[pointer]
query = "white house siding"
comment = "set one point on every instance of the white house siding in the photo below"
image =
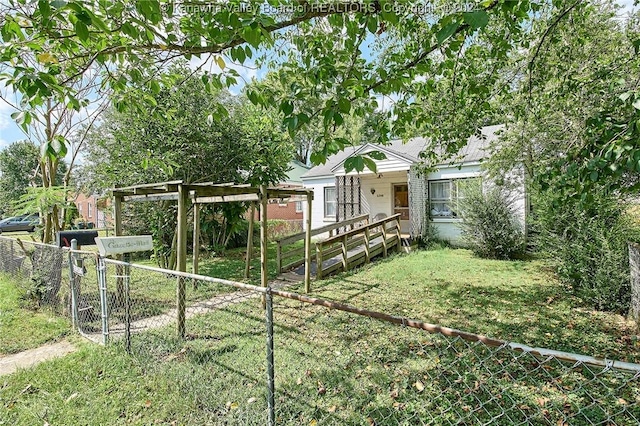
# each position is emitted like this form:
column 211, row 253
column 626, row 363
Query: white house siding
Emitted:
column 449, row 229
column 382, row 200
column 318, row 184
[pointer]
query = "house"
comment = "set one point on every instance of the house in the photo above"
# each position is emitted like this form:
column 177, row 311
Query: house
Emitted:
column 93, row 209
column 286, row 208
column 398, row 187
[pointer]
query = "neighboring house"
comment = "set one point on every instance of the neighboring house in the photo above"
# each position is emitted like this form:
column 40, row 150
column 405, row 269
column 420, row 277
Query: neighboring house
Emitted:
column 288, row 209
column 93, row 209
column 397, row 187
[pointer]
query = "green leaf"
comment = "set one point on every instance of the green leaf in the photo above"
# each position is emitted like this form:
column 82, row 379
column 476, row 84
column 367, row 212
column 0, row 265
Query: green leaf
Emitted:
column 446, row 32
column 370, row 164
column 286, row 107
column 82, row 31
column 476, row 19
column 636, row 103
column 344, row 105
column 318, row 158
column 377, row 155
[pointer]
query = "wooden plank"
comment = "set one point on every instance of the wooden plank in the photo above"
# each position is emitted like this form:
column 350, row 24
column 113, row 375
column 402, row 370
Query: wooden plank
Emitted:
column 345, row 252
column 327, row 228
column 307, row 245
column 143, row 198
column 359, row 230
column 117, row 215
column 293, row 264
column 264, row 274
column 367, row 240
column 331, row 269
column 384, row 241
column 196, row 238
column 319, row 260
column 227, row 198
column 296, row 252
column 157, row 185
column 249, row 254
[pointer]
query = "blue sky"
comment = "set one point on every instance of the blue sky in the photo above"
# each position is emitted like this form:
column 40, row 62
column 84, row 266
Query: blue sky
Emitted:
column 10, row 132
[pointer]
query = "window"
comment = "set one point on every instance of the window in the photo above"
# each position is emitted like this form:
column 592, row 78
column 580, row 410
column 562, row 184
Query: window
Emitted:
column 80, row 209
column 444, row 196
column 89, row 210
column 298, row 206
column 330, row 201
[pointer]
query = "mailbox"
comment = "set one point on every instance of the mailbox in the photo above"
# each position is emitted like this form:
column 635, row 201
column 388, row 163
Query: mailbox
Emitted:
column 84, row 238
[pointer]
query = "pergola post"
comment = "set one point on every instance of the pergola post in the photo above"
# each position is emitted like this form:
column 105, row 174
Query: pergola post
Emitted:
column 264, row 275
column 250, row 241
column 117, row 215
column 117, row 219
column 307, row 247
column 196, row 237
column 181, row 260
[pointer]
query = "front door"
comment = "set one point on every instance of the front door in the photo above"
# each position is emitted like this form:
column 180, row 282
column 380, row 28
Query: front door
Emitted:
column 401, row 200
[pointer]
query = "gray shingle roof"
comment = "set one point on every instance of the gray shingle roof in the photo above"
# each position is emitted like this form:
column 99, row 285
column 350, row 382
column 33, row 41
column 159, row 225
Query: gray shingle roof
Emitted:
column 476, row 149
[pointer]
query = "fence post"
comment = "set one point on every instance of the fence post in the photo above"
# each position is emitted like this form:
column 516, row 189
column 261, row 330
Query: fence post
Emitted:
column 271, row 391
column 127, row 302
column 345, row 258
column 102, row 284
column 73, row 285
column 319, row 260
column 634, row 263
column 367, row 250
column 384, row 238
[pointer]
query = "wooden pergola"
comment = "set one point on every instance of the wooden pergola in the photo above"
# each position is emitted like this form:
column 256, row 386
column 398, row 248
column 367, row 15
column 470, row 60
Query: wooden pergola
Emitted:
column 206, row 193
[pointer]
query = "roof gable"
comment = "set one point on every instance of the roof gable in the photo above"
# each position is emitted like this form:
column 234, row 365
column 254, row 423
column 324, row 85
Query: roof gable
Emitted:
column 393, row 160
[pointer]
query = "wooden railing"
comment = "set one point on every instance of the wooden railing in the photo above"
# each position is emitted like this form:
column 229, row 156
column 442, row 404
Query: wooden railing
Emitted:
column 290, row 259
column 375, row 239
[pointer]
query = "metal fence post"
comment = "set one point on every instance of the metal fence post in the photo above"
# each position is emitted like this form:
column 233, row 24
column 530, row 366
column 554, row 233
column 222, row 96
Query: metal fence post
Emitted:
column 102, row 284
column 73, row 285
column 127, row 302
column 270, row 365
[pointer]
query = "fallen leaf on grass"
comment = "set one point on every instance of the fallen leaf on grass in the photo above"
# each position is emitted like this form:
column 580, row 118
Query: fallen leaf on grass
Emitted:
column 147, row 403
column 419, row 385
column 542, row 401
column 72, row 396
column 332, row 409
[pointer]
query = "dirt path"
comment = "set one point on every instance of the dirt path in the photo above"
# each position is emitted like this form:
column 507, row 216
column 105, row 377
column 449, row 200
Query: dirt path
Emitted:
column 11, row 363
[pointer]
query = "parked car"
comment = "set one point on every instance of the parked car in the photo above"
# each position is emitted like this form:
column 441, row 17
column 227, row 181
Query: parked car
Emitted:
column 20, row 223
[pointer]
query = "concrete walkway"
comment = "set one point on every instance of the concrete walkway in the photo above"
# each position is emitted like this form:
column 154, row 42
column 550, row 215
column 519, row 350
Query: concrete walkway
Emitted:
column 11, row 363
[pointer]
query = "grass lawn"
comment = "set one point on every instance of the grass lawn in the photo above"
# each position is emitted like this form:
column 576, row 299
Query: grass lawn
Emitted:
column 22, row 328
column 517, row 301
column 337, row 368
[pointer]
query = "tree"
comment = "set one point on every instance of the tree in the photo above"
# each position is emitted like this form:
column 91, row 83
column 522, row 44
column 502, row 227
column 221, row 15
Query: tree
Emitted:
column 19, row 171
column 59, row 127
column 179, row 139
column 324, row 41
column 573, row 118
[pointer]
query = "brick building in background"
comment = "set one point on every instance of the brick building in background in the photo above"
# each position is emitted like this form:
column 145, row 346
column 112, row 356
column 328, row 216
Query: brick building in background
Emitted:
column 93, row 209
column 288, row 209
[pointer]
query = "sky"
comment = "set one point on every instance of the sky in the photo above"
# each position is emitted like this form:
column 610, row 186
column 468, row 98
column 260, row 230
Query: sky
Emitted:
column 10, row 132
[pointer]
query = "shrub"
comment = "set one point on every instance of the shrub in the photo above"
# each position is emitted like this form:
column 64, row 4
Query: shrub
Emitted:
column 490, row 226
column 587, row 243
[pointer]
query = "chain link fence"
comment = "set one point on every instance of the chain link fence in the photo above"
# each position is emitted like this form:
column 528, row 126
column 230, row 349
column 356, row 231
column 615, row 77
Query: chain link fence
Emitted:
column 335, row 367
column 233, row 353
column 39, row 269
